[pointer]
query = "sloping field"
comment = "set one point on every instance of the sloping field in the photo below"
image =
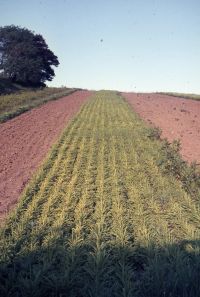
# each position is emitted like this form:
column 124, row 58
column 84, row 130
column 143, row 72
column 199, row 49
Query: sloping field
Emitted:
column 177, row 117
column 103, row 217
column 17, row 103
column 25, row 141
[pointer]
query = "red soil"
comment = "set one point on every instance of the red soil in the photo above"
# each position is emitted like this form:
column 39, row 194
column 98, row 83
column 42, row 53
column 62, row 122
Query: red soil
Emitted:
column 178, row 118
column 25, row 141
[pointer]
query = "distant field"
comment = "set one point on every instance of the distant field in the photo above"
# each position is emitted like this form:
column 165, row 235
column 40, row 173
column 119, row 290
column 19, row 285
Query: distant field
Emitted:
column 16, row 103
column 178, row 118
column 113, row 212
column 183, row 95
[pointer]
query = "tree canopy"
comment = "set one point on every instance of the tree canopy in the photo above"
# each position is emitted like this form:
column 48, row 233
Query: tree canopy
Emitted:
column 25, row 57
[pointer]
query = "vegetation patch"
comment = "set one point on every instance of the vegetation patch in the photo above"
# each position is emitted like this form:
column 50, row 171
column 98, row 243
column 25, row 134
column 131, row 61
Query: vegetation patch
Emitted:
column 182, row 95
column 104, row 216
column 15, row 104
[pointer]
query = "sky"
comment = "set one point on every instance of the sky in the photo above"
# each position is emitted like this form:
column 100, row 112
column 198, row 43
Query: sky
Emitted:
column 126, row 45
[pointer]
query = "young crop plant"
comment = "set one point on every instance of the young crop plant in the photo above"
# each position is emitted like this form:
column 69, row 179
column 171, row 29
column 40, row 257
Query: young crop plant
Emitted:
column 105, row 216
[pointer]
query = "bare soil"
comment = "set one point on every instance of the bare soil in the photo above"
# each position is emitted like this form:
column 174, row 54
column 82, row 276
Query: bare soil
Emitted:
column 178, row 118
column 26, row 140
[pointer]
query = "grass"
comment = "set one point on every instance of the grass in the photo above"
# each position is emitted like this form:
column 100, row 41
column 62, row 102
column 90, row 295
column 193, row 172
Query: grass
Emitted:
column 15, row 104
column 104, row 216
column 183, row 95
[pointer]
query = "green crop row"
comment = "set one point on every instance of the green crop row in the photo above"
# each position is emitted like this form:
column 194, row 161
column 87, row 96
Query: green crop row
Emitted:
column 103, row 216
column 15, row 104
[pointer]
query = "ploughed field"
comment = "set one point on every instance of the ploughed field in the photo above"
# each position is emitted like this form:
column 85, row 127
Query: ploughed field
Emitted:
column 25, row 141
column 14, row 104
column 178, row 117
column 112, row 212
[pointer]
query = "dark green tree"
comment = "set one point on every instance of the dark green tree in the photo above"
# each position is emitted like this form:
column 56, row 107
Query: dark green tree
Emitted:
column 25, row 57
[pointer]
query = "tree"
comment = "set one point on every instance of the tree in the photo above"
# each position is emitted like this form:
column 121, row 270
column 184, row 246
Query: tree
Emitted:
column 25, row 57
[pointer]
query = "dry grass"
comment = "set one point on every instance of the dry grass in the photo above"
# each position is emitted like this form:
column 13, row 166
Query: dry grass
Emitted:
column 183, row 95
column 16, row 103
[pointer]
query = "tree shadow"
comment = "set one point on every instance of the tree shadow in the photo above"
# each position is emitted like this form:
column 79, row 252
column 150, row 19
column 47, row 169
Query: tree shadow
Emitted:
column 84, row 269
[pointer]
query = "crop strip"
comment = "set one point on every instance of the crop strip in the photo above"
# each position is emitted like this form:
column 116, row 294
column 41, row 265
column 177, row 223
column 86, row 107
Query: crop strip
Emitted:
column 101, row 218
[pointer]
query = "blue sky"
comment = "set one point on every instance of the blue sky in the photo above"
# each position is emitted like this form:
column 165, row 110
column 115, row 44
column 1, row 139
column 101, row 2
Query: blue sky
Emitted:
column 130, row 45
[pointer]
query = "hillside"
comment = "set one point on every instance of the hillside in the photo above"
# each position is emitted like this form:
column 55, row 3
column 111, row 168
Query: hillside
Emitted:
column 106, row 215
column 17, row 100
